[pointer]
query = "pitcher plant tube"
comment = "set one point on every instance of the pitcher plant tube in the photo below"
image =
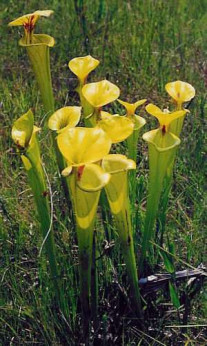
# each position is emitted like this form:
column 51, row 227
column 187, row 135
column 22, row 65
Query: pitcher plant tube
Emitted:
column 162, row 145
column 82, row 148
column 118, row 198
column 132, row 143
column 24, row 136
column 181, row 93
column 37, row 46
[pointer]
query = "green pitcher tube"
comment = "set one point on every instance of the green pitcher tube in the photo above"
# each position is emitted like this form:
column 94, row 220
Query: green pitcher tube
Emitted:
column 39, row 57
column 117, row 194
column 162, row 147
column 24, row 136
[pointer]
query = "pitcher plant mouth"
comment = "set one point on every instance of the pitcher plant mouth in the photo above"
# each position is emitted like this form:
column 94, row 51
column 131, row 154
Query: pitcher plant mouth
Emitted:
column 82, row 67
column 165, row 118
column 23, row 129
column 38, row 39
column 132, row 140
column 162, row 141
column 64, row 118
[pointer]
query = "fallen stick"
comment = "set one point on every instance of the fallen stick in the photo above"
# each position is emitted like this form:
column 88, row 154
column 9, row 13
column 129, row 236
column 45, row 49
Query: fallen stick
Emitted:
column 155, row 282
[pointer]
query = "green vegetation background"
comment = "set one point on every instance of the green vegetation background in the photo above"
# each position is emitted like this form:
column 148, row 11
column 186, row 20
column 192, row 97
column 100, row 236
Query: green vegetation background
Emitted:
column 142, row 45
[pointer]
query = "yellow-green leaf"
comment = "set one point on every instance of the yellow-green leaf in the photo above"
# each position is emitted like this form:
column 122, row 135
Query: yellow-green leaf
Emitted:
column 116, row 189
column 139, row 122
column 115, row 163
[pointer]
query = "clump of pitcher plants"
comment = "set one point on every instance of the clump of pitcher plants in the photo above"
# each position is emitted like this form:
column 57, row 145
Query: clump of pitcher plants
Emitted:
column 83, row 136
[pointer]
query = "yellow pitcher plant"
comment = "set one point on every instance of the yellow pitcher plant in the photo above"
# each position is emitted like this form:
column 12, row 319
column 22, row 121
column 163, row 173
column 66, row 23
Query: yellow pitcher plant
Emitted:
column 81, row 67
column 82, row 148
column 24, row 136
column 87, row 167
column 99, row 94
column 118, row 198
column 37, row 46
column 63, row 118
column 138, row 121
column 181, row 92
column 132, row 142
column 117, row 127
column 162, row 145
